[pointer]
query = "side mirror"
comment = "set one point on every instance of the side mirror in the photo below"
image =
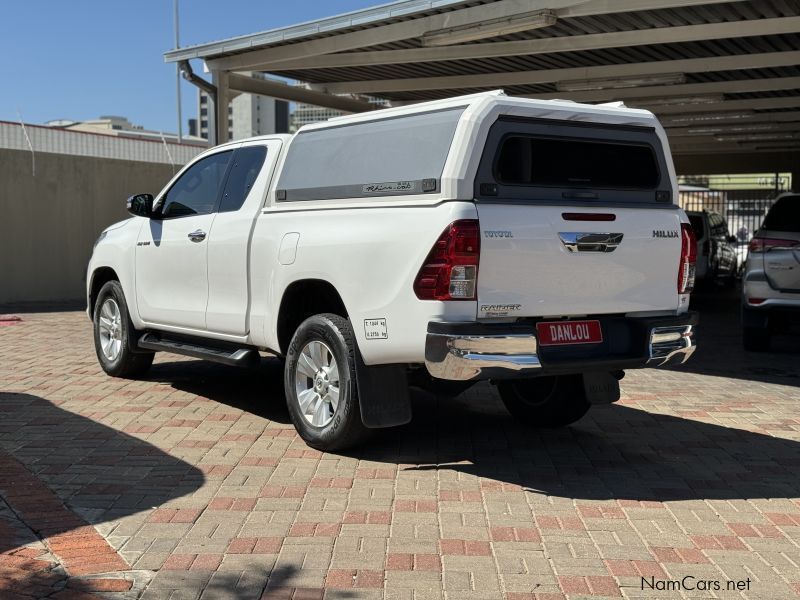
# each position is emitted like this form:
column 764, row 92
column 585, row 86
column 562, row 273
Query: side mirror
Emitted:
column 140, row 205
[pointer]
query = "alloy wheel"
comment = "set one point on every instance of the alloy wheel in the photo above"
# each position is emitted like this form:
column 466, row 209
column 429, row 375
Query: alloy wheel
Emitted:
column 317, row 383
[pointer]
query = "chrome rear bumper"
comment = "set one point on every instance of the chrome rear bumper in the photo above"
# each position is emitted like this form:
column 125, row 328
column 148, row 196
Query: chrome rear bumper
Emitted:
column 670, row 345
column 467, row 357
column 471, row 351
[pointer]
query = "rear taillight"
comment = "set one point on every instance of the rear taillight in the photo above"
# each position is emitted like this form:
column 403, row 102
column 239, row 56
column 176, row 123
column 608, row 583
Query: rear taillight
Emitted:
column 764, row 244
column 450, row 272
column 688, row 259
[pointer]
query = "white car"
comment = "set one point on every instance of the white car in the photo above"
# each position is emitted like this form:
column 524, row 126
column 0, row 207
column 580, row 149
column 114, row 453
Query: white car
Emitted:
column 537, row 244
column 771, row 280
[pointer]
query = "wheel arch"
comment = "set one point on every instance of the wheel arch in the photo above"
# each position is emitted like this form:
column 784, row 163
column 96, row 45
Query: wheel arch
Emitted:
column 100, row 277
column 302, row 299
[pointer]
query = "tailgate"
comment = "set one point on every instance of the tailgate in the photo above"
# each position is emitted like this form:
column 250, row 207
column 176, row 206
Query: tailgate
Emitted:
column 576, row 219
column 536, row 263
column 782, row 266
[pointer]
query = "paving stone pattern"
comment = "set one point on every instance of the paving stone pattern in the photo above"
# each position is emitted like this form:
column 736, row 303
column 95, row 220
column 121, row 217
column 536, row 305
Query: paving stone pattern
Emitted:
column 191, row 483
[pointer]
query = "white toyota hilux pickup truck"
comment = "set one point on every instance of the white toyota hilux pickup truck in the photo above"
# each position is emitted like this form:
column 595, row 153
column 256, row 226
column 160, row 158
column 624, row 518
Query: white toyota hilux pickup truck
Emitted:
column 535, row 244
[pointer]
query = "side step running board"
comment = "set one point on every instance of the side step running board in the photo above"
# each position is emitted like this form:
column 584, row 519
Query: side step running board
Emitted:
column 236, row 357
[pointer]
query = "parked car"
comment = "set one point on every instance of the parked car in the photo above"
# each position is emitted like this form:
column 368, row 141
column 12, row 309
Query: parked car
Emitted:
column 717, row 254
column 771, row 281
column 537, row 244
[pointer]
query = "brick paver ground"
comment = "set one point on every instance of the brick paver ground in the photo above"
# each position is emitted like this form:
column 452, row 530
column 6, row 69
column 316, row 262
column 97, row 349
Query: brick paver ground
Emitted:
column 193, row 484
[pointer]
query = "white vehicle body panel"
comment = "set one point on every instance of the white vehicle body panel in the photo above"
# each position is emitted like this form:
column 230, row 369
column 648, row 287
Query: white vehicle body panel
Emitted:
column 115, row 251
column 536, row 274
column 371, row 257
column 172, row 272
column 229, row 244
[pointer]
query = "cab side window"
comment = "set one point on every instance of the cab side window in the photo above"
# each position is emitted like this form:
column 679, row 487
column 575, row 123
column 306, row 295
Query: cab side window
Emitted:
column 196, row 191
column 247, row 163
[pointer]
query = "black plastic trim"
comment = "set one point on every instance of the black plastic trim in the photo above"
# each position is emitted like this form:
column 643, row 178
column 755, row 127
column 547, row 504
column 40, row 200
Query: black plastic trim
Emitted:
column 222, row 352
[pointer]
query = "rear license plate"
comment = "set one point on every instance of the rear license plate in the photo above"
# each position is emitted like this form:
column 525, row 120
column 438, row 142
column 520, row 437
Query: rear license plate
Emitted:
column 562, row 333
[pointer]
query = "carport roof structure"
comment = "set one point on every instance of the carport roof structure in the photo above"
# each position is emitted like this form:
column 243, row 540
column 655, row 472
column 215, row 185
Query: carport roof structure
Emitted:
column 723, row 77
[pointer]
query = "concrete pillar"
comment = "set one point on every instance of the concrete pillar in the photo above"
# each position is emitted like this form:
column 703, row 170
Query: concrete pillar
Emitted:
column 220, row 112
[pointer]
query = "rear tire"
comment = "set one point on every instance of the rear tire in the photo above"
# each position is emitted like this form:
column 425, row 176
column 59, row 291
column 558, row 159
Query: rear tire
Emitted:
column 320, row 383
column 756, row 339
column 114, row 336
column 554, row 401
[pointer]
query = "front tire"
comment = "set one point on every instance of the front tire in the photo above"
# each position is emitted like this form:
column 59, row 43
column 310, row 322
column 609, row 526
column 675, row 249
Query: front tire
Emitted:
column 554, row 401
column 320, row 383
column 114, row 336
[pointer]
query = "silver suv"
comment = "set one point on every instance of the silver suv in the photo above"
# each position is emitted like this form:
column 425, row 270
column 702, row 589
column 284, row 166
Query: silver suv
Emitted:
column 771, row 282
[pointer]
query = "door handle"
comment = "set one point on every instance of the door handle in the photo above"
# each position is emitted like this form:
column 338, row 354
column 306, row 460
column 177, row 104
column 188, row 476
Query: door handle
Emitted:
column 198, row 235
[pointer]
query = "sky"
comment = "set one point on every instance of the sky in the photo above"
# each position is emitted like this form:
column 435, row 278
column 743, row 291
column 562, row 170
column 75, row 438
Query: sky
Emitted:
column 79, row 59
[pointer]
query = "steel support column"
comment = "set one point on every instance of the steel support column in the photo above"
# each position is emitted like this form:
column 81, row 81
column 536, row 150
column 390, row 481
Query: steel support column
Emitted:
column 220, row 112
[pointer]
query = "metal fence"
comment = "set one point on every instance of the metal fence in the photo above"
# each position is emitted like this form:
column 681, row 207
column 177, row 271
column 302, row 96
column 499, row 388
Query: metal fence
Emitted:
column 743, row 200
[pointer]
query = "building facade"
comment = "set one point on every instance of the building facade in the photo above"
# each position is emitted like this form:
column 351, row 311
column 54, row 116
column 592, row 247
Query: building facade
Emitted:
column 305, row 114
column 119, row 126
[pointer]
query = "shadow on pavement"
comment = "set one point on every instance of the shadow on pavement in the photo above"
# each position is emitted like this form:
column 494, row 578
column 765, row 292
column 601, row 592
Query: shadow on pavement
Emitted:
column 616, row 452
column 258, row 391
column 229, row 585
column 100, row 473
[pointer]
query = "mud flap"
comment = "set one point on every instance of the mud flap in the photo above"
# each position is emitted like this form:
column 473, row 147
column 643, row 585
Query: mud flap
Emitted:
column 383, row 395
column 601, row 388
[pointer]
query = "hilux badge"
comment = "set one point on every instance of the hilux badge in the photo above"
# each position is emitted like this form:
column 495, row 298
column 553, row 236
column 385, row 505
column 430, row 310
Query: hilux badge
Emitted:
column 663, row 233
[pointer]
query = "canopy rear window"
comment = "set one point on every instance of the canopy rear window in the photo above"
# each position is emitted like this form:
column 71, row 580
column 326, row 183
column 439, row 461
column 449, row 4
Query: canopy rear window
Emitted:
column 534, row 160
column 387, row 157
column 529, row 160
